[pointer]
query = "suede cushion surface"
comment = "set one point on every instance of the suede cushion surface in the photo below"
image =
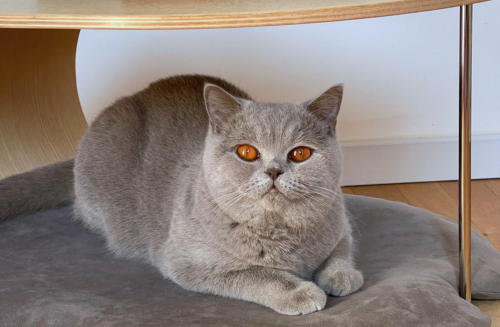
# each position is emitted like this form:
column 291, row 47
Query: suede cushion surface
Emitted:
column 55, row 273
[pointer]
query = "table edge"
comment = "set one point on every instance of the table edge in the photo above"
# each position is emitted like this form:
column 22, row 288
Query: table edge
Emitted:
column 80, row 21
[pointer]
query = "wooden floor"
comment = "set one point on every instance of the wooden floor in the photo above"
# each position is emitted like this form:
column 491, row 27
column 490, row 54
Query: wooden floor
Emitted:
column 442, row 198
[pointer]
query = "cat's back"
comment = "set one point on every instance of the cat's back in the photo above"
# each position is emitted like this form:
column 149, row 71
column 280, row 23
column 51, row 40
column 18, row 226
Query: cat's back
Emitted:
column 139, row 151
column 175, row 127
column 164, row 124
column 175, row 112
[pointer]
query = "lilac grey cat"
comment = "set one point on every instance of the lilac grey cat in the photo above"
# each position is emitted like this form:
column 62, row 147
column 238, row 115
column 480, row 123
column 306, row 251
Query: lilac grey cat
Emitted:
column 157, row 175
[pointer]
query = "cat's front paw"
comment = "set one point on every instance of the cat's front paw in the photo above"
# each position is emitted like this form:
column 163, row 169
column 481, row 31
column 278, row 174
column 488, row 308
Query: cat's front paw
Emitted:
column 304, row 299
column 340, row 280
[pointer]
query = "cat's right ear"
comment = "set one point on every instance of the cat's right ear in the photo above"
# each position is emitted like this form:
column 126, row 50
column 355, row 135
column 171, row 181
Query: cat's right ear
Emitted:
column 221, row 106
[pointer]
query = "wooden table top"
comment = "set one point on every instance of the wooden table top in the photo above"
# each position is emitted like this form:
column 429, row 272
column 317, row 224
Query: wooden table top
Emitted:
column 189, row 14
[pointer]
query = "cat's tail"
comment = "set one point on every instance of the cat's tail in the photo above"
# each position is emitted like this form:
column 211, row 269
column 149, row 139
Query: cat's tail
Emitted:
column 46, row 187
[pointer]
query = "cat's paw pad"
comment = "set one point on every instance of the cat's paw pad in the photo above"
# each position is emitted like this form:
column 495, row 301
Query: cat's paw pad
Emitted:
column 304, row 299
column 340, row 282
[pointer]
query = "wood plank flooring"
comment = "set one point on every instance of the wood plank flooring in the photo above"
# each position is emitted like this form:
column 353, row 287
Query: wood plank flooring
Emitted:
column 442, row 198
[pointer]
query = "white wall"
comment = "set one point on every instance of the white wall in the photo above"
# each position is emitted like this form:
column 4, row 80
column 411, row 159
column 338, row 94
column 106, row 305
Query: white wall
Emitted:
column 400, row 75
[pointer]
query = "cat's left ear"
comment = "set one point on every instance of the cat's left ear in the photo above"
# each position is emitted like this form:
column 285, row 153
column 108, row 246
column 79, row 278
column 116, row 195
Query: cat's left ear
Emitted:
column 220, row 105
column 327, row 105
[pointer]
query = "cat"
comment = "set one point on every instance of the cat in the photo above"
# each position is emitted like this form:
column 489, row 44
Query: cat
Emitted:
column 224, row 195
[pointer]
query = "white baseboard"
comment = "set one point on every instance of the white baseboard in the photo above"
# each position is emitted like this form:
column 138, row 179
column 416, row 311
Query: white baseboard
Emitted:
column 417, row 160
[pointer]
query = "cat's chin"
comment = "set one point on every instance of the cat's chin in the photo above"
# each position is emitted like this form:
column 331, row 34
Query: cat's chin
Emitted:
column 274, row 190
column 273, row 193
column 273, row 200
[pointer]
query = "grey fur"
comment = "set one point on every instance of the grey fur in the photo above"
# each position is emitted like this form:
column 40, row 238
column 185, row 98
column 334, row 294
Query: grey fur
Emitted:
column 46, row 187
column 160, row 180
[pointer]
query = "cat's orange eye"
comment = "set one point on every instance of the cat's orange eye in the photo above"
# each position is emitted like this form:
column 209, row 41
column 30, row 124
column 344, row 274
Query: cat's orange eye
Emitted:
column 300, row 154
column 247, row 152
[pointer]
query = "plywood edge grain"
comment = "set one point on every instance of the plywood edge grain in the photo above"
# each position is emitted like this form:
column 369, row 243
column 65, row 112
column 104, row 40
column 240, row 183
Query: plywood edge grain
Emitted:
column 259, row 17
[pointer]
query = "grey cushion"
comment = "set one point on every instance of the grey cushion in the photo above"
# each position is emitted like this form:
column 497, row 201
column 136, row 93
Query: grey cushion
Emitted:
column 55, row 273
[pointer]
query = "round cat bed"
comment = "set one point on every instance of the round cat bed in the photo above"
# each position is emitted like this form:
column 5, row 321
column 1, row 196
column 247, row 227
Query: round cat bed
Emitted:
column 55, row 273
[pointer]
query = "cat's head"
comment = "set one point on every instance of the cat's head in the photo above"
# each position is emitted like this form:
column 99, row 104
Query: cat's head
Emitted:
column 272, row 158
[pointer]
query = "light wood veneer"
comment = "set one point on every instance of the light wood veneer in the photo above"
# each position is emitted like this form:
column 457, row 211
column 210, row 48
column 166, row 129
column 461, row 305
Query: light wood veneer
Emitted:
column 41, row 120
column 188, row 14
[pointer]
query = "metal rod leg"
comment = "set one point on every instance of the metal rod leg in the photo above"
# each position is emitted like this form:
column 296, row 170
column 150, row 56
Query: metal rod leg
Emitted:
column 464, row 286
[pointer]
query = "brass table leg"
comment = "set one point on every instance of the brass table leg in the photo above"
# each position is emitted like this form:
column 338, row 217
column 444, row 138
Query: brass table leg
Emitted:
column 41, row 120
column 464, row 285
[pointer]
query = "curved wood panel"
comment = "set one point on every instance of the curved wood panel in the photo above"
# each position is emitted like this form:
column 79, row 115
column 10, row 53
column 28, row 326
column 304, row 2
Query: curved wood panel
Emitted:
column 41, row 120
column 188, row 14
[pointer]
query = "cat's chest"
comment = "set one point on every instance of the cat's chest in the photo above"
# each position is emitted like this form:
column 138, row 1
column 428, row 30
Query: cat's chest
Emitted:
column 276, row 248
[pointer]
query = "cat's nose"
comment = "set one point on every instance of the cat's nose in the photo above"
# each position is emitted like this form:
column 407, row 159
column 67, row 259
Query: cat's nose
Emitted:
column 274, row 172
